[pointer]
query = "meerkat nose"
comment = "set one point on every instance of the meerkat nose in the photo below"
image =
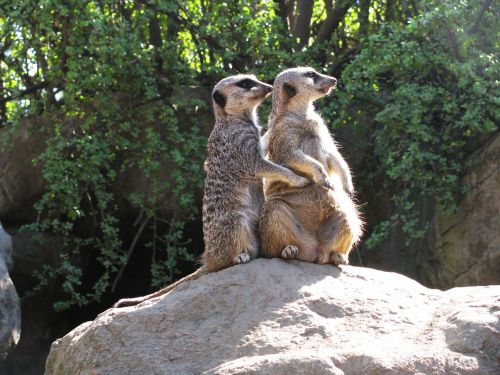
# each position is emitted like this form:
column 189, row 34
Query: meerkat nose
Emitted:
column 333, row 81
column 328, row 82
column 267, row 88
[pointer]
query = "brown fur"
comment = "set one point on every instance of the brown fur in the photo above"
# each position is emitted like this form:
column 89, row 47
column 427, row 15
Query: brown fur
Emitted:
column 318, row 223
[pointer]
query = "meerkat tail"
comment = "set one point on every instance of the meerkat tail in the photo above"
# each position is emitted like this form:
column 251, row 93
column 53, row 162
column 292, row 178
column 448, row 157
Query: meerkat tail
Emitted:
column 135, row 301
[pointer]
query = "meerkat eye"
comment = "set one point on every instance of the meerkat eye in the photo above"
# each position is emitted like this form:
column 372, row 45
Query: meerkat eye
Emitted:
column 312, row 75
column 245, row 84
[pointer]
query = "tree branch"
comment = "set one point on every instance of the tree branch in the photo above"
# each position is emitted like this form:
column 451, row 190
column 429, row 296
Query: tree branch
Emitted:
column 29, row 90
column 130, row 251
column 333, row 20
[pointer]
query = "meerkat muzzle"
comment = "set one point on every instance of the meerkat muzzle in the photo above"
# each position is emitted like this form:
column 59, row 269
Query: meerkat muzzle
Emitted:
column 263, row 90
column 327, row 84
column 267, row 89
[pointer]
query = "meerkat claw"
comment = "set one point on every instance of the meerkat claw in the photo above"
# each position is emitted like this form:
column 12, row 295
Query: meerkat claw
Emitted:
column 327, row 184
column 338, row 258
column 349, row 189
column 242, row 258
column 289, row 252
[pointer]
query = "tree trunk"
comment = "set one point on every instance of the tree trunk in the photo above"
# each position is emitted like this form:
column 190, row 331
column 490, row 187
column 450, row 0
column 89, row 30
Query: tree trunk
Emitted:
column 364, row 12
column 390, row 10
column 302, row 28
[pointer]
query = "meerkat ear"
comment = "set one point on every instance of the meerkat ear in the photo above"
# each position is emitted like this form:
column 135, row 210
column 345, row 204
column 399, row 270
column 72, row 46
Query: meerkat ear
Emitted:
column 290, row 91
column 220, row 99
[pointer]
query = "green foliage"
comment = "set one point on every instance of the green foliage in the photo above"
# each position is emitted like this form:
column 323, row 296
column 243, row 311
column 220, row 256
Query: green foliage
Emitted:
column 126, row 85
column 429, row 86
column 111, row 116
column 163, row 272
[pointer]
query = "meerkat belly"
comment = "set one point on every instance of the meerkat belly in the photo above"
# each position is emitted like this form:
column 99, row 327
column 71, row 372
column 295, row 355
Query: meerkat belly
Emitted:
column 312, row 206
column 251, row 204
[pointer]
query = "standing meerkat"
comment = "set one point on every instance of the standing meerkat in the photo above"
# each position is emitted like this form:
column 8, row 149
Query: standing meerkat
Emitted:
column 235, row 167
column 313, row 224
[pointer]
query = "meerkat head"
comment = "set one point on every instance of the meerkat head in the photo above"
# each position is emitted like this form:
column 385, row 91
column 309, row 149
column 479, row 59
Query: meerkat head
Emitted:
column 297, row 88
column 239, row 95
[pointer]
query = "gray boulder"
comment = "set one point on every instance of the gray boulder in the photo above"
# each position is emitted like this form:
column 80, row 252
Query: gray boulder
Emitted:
column 279, row 317
column 10, row 311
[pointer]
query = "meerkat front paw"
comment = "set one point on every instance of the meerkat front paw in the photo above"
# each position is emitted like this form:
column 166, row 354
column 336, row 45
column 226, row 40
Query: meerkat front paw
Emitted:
column 289, row 252
column 325, row 183
column 242, row 258
column 348, row 186
column 339, row 258
column 322, row 179
column 300, row 182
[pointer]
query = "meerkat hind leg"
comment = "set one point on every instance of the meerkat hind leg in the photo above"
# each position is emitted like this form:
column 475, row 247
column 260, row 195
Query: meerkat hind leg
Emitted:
column 281, row 232
column 338, row 258
column 336, row 238
column 245, row 245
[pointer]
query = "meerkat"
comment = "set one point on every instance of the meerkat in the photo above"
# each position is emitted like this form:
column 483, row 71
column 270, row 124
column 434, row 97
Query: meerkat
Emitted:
column 318, row 223
column 235, row 167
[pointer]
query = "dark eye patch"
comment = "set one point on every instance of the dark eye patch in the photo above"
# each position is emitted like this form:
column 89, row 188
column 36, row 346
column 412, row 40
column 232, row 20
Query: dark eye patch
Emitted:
column 312, row 75
column 246, row 84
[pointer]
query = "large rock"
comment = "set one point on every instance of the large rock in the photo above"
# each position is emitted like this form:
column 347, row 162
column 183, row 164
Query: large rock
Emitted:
column 468, row 244
column 10, row 311
column 278, row 317
column 40, row 323
column 458, row 250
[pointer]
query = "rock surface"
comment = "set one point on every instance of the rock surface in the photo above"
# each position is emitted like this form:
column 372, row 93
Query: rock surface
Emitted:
column 278, row 317
column 458, row 250
column 10, row 311
column 41, row 325
column 21, row 182
column 468, row 244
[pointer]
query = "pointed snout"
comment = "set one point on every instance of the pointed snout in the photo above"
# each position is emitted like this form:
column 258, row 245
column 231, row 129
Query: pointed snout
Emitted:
column 263, row 89
column 267, row 88
column 328, row 82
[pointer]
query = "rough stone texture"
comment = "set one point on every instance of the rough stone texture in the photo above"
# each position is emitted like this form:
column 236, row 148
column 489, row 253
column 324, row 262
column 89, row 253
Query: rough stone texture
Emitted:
column 458, row 250
column 40, row 323
column 468, row 244
column 10, row 311
column 21, row 182
column 278, row 317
